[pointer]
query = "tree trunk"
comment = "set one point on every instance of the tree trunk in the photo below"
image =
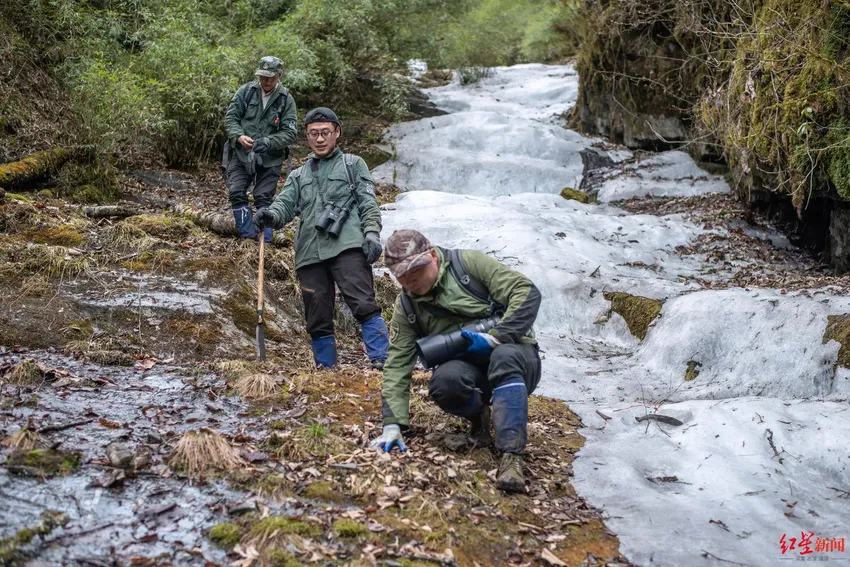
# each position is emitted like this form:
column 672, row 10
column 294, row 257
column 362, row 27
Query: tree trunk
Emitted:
column 34, row 166
column 222, row 224
column 107, row 211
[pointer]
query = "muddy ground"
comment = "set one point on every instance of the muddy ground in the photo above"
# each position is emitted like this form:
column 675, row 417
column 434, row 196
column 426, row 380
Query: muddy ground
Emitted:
column 137, row 430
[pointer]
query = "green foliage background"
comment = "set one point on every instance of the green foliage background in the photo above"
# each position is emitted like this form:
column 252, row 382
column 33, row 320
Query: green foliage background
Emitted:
column 149, row 80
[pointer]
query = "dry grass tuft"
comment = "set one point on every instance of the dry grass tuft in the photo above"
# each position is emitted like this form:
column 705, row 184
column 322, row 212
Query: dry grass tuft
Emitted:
column 129, row 236
column 232, row 368
column 314, row 440
column 23, row 440
column 204, row 451
column 25, row 373
column 256, row 386
column 52, row 261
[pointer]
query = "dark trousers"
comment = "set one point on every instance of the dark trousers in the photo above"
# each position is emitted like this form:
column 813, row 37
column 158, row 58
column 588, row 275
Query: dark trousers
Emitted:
column 462, row 388
column 238, row 182
column 352, row 274
column 453, row 383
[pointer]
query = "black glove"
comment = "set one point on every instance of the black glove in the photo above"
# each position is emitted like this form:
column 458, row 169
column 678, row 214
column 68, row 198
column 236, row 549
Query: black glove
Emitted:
column 251, row 165
column 264, row 218
column 262, row 145
column 372, row 247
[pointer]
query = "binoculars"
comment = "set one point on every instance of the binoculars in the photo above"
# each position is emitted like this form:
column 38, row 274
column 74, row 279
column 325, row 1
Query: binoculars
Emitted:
column 332, row 219
column 438, row 349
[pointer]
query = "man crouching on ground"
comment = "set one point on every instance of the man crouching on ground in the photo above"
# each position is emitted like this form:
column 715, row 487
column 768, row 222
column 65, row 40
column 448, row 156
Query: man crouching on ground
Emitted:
column 500, row 368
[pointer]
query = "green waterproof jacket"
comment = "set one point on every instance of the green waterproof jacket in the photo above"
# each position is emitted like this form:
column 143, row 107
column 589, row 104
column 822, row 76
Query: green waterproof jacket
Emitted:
column 276, row 121
column 306, row 191
column 507, row 287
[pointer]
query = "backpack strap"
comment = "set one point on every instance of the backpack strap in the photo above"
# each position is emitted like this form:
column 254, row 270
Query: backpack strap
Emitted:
column 281, row 100
column 469, row 284
column 410, row 312
column 253, row 87
column 348, row 160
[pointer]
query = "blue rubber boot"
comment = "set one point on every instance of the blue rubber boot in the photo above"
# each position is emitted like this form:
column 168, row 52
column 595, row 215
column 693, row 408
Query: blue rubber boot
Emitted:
column 510, row 419
column 268, row 231
column 324, row 351
column 245, row 222
column 376, row 338
column 510, row 415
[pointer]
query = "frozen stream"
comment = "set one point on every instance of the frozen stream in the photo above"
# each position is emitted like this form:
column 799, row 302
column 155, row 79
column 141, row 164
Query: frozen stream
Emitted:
column 764, row 445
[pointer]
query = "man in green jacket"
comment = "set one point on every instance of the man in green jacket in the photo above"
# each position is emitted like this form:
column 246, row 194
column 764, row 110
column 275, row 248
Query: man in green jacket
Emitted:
column 500, row 368
column 338, row 238
column 260, row 124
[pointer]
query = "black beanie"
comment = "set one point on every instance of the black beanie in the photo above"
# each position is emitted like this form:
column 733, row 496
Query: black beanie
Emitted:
column 321, row 114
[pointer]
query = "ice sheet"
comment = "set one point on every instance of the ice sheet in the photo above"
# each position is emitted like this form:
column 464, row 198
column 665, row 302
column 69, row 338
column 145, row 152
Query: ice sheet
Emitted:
column 488, row 177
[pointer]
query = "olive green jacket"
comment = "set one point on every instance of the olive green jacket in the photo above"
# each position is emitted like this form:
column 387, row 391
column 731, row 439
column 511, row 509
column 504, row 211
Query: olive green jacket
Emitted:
column 276, row 122
column 305, row 193
column 507, row 287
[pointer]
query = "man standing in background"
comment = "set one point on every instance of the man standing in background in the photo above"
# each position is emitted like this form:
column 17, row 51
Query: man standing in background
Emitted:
column 338, row 238
column 260, row 124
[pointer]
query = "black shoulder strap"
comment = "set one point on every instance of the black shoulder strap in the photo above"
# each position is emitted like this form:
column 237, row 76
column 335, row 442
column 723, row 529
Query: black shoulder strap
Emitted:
column 252, row 88
column 348, row 160
column 410, row 312
column 472, row 286
column 469, row 284
column 282, row 98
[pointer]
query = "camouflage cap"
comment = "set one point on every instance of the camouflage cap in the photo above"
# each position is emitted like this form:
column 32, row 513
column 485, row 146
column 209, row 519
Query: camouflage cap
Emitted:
column 269, row 66
column 405, row 250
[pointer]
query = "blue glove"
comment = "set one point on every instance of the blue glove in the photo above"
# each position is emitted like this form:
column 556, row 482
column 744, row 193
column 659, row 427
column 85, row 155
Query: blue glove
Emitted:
column 480, row 343
column 391, row 437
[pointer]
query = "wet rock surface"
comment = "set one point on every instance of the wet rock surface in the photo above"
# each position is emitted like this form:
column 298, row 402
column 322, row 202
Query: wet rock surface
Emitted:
column 152, row 512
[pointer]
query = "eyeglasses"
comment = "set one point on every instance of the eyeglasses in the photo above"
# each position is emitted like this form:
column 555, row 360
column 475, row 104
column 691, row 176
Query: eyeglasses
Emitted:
column 316, row 134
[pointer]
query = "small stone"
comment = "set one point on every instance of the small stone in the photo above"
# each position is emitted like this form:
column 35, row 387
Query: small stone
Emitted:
column 142, row 458
column 455, row 441
column 154, row 438
column 120, row 455
column 242, row 508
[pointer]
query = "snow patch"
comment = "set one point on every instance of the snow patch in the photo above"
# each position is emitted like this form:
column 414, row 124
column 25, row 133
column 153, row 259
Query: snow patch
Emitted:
column 488, row 177
column 668, row 174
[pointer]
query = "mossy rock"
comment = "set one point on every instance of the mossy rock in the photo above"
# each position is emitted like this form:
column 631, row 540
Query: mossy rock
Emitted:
column 62, row 235
column 638, row 311
column 43, row 463
column 19, row 197
column 374, row 156
column 575, row 195
column 692, row 370
column 281, row 525
column 838, row 329
column 91, row 195
column 162, row 226
column 225, row 535
column 111, row 357
column 323, row 491
column 10, row 546
column 350, row 529
column 280, row 558
column 80, row 330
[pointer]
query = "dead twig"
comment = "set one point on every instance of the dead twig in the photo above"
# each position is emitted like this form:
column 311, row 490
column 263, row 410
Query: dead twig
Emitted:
column 64, row 426
column 772, row 446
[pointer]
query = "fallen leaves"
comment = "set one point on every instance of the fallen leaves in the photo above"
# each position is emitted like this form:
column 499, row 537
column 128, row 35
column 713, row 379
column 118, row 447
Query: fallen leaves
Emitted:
column 551, row 558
